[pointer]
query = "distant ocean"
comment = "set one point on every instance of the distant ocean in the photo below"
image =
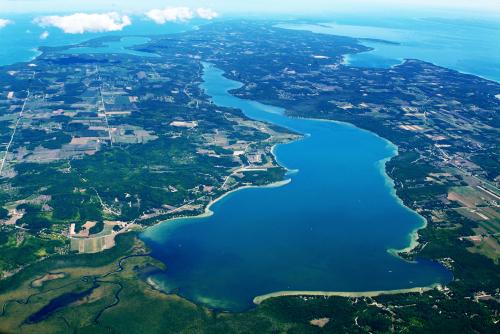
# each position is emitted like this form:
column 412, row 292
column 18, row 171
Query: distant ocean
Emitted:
column 469, row 46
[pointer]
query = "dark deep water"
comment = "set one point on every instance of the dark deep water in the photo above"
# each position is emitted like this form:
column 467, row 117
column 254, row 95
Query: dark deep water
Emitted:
column 329, row 229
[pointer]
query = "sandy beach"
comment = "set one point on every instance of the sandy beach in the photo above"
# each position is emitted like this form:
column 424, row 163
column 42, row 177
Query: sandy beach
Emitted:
column 259, row 299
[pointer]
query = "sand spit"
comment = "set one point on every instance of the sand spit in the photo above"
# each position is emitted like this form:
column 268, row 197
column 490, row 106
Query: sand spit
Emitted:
column 259, row 299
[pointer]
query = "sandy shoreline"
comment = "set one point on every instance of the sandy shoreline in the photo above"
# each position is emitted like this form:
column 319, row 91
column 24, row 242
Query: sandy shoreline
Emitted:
column 414, row 234
column 259, row 299
column 209, row 212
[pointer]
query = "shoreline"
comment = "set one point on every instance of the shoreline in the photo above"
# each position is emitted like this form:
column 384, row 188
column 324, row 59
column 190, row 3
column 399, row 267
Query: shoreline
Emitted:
column 259, row 299
column 414, row 234
column 208, row 212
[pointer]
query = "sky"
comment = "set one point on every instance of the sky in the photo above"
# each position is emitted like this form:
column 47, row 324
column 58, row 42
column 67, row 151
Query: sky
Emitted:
column 491, row 7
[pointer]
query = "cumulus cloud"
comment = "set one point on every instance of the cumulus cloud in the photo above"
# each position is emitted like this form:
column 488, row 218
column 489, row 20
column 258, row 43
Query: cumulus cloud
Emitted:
column 80, row 23
column 4, row 22
column 44, row 35
column 170, row 14
column 180, row 14
column 206, row 13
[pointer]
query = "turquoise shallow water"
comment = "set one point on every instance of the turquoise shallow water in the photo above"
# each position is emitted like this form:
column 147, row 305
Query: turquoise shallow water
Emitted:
column 329, row 229
column 469, row 46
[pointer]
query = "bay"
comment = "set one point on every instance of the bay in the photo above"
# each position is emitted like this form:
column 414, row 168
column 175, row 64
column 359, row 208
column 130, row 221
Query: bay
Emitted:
column 466, row 45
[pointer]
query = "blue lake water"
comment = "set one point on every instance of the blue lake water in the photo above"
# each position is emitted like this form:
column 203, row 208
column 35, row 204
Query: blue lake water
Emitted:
column 469, row 46
column 329, row 229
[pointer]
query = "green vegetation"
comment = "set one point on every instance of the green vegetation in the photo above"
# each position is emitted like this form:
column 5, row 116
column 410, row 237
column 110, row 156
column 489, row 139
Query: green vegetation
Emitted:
column 124, row 244
column 19, row 248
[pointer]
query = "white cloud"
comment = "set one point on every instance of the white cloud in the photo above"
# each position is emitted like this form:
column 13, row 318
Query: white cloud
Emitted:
column 80, row 23
column 171, row 14
column 206, row 13
column 44, row 35
column 180, row 14
column 4, row 22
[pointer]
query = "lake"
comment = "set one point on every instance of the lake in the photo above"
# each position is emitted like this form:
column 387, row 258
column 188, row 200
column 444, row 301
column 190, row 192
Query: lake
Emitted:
column 329, row 229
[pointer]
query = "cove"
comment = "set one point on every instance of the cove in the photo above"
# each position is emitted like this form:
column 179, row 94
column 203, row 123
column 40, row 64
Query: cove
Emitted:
column 328, row 229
